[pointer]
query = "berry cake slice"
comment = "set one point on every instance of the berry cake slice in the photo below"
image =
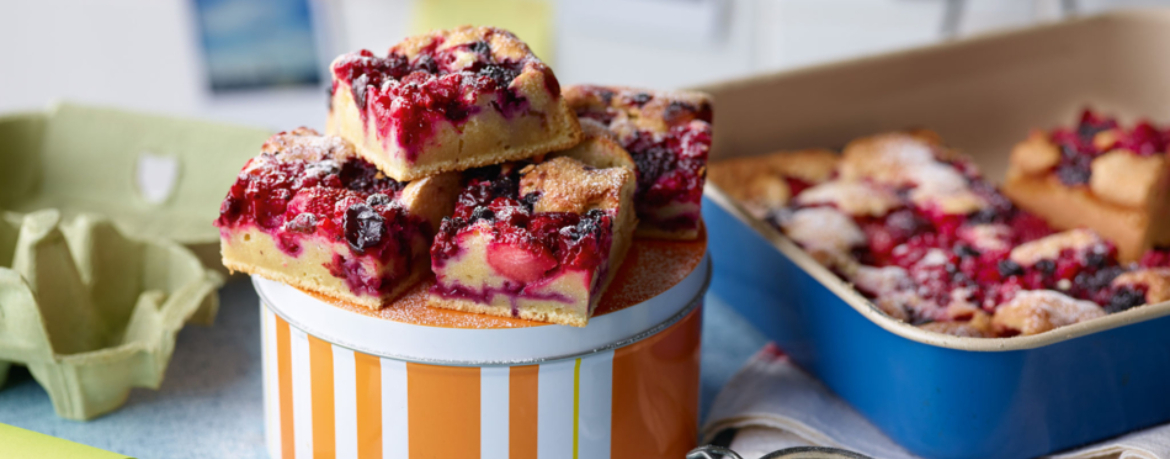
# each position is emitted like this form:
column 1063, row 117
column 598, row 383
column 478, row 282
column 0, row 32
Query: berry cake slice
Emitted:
column 669, row 136
column 537, row 241
column 310, row 213
column 1100, row 175
column 449, row 100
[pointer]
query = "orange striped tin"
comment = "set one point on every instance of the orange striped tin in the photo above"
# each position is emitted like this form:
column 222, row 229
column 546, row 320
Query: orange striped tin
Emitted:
column 339, row 383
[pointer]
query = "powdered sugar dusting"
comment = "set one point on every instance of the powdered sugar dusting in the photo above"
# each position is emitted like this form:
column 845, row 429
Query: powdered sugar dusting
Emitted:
column 822, row 228
column 853, row 198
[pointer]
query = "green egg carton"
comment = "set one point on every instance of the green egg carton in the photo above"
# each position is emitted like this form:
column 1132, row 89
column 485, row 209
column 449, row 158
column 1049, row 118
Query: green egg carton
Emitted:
column 92, row 312
column 154, row 176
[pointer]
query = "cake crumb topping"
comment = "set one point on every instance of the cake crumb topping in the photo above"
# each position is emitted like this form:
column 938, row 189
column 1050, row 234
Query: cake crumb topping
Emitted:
column 1037, row 311
column 1049, row 248
column 567, row 185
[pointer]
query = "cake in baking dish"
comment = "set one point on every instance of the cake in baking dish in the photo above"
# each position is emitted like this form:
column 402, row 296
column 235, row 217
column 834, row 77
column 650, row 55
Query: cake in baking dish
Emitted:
column 310, row 213
column 538, row 240
column 668, row 134
column 1097, row 174
column 449, row 100
column 914, row 227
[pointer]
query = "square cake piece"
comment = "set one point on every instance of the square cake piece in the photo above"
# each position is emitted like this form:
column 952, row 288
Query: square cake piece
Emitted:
column 310, row 213
column 449, row 100
column 538, row 241
column 668, row 134
column 1098, row 175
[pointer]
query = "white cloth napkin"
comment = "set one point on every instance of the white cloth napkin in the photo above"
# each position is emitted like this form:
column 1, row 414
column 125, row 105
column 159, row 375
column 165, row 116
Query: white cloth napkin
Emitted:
column 776, row 405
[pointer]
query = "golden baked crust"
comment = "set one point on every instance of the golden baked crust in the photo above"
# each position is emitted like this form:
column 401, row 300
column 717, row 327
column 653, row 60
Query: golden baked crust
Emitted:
column 979, row 326
column 1049, row 247
column 482, row 132
column 1125, row 179
column 1037, row 311
column 1035, row 155
column 1156, row 281
column 1132, row 230
column 600, row 149
column 759, row 182
column 568, row 185
column 505, row 46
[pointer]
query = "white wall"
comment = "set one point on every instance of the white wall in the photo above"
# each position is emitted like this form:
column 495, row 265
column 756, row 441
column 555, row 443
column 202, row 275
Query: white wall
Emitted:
column 143, row 54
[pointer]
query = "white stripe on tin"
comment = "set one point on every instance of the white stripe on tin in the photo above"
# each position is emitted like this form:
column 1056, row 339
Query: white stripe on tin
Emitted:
column 554, row 405
column 493, row 412
column 271, row 385
column 302, row 383
column 595, row 406
column 345, row 401
column 394, row 420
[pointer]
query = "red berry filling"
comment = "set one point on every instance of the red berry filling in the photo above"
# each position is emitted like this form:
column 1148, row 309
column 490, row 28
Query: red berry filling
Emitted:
column 940, row 254
column 526, row 246
column 1077, row 148
column 408, row 97
column 352, row 202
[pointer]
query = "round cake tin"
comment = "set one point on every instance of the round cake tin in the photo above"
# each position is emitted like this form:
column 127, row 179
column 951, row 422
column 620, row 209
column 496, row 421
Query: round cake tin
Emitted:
column 342, row 383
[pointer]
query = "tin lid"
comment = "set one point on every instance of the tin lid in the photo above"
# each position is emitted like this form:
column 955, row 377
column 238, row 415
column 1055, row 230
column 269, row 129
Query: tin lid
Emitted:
column 494, row 346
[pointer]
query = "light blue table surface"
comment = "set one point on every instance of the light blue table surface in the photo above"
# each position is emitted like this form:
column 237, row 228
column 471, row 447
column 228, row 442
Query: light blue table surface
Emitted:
column 211, row 405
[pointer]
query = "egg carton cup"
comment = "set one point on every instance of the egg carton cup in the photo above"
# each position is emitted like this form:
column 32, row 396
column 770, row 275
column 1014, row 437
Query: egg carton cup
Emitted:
column 92, row 312
column 152, row 175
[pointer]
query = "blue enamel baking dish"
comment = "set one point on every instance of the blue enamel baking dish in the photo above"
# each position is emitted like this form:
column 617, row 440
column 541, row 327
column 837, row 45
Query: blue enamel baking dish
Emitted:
column 941, row 396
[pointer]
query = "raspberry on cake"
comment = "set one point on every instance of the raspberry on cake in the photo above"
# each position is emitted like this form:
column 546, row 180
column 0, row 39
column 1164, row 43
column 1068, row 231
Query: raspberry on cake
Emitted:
column 310, row 213
column 763, row 183
column 1098, row 175
column 669, row 136
column 449, row 100
column 537, row 241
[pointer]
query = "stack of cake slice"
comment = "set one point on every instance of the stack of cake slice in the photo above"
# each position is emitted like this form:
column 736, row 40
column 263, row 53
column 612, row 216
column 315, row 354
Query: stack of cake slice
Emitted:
column 457, row 155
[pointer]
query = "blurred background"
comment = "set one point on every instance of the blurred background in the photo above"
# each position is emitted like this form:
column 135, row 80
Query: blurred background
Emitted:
column 262, row 62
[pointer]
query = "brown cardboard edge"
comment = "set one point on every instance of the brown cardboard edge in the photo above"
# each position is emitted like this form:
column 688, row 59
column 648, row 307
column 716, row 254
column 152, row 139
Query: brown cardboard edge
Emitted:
column 853, row 298
column 1129, row 14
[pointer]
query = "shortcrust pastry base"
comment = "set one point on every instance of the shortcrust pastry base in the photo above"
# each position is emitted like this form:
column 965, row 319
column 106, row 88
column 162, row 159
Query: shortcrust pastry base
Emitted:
column 255, row 252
